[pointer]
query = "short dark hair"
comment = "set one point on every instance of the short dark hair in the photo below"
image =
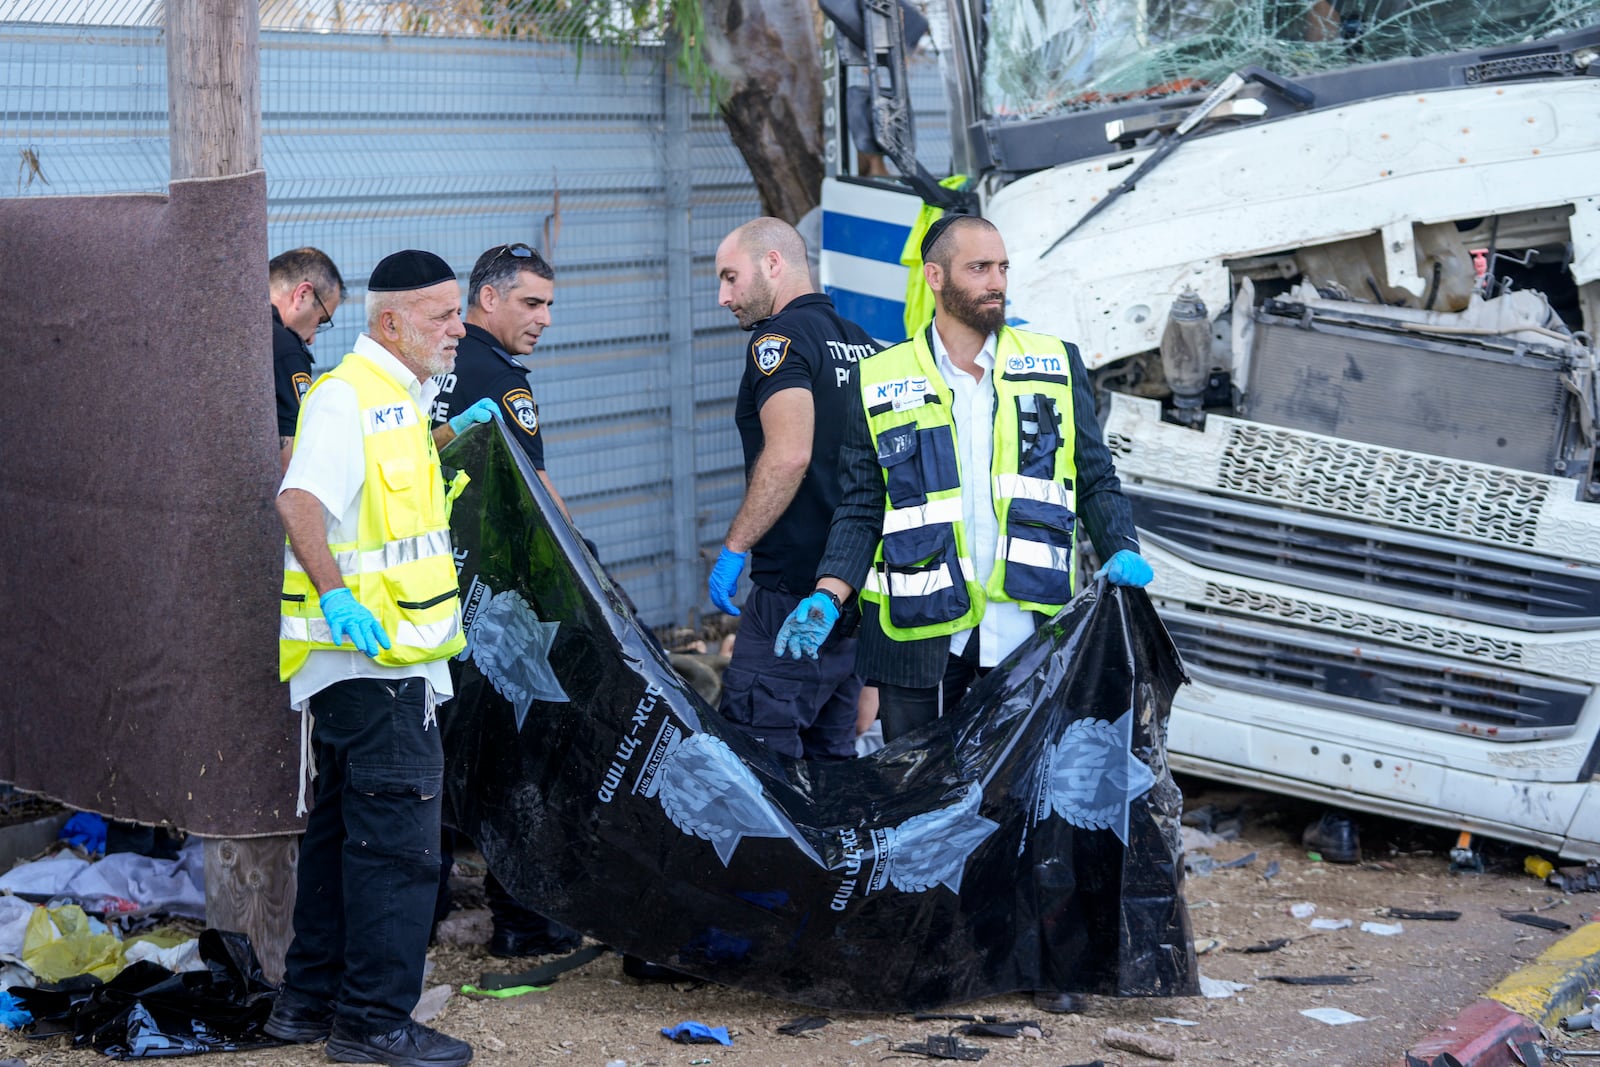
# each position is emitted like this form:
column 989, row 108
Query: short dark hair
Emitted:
column 944, row 245
column 499, row 268
column 306, row 265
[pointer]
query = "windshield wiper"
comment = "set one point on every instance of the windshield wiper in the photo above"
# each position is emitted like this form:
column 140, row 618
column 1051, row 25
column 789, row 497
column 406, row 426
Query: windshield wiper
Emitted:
column 1298, row 95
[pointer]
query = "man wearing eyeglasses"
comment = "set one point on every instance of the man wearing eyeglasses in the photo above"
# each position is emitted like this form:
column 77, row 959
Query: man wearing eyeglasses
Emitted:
column 306, row 290
column 509, row 297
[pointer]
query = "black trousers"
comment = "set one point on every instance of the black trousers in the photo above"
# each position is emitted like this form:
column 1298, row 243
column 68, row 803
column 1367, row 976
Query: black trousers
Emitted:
column 902, row 709
column 369, row 860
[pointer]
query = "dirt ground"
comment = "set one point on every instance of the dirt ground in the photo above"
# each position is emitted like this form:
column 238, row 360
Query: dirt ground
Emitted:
column 1406, row 983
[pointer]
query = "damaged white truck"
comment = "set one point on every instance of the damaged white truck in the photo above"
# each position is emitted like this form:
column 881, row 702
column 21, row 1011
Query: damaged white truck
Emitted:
column 1334, row 270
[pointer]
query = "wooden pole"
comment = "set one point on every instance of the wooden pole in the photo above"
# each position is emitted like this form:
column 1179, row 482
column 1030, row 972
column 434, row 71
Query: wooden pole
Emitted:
column 214, row 127
column 214, row 87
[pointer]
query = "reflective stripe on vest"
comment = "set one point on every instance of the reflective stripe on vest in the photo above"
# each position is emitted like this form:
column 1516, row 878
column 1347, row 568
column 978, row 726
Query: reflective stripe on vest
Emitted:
column 401, row 566
column 924, row 542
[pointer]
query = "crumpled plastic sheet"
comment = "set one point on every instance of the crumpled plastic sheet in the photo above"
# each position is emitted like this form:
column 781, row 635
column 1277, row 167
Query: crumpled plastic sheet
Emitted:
column 175, row 886
column 1028, row 840
column 63, row 941
column 147, row 1011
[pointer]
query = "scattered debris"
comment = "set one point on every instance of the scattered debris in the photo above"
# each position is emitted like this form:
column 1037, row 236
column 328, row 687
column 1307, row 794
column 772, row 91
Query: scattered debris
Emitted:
column 1422, row 916
column 1332, row 1016
column 953, row 1017
column 1154, row 1047
column 944, row 1047
column 1243, row 861
column 1584, row 879
column 1271, row 872
column 1538, row 866
column 1174, row 1021
column 431, row 1003
column 796, row 1027
column 868, row 1039
column 1303, row 910
column 1330, row 924
column 1320, row 979
column 1220, row 988
column 1266, row 946
column 1019, row 1028
column 690, row 1032
column 1382, row 929
column 1207, row 944
column 1543, row 922
column 504, row 994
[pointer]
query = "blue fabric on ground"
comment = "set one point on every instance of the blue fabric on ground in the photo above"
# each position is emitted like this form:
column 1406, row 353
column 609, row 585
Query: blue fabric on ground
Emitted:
column 86, row 830
column 689, row 1032
column 12, row 1015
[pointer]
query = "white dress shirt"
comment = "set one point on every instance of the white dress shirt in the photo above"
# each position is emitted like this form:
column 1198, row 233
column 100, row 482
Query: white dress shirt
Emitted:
column 329, row 462
column 1004, row 625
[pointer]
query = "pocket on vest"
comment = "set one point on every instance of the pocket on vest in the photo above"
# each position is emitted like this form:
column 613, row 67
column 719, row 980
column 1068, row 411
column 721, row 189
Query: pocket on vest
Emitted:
column 1039, row 549
column 922, row 571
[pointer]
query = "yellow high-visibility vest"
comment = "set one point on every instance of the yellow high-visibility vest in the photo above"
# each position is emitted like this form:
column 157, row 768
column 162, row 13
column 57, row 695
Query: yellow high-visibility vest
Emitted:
column 922, row 576
column 401, row 566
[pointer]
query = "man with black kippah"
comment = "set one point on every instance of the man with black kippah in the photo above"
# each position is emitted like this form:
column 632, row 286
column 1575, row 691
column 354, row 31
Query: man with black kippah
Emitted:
column 370, row 562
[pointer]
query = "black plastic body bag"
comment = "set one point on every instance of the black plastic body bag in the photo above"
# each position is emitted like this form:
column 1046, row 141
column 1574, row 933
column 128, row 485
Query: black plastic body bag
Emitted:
column 1026, row 841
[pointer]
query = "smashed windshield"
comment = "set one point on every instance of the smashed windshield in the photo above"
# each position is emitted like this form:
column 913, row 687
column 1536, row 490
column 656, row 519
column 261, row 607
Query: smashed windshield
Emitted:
column 1045, row 56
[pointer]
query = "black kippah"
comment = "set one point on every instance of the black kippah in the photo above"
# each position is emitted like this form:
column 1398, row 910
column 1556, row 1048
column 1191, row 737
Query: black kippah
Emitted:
column 410, row 269
column 936, row 231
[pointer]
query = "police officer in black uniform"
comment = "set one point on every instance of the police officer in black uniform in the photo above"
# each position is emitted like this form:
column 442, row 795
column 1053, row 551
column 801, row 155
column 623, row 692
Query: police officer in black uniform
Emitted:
column 790, row 412
column 306, row 289
column 509, row 296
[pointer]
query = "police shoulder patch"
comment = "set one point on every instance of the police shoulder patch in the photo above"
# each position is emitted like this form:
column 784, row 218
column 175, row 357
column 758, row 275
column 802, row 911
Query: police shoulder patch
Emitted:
column 769, row 350
column 521, row 405
column 302, row 382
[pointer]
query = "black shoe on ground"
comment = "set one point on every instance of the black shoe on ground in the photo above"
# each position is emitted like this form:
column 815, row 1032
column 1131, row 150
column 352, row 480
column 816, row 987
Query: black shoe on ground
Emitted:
column 298, row 1018
column 1335, row 837
column 645, row 971
column 412, row 1045
column 508, row 945
column 1060, row 1003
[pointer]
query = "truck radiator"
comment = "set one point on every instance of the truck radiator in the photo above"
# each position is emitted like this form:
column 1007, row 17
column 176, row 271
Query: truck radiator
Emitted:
column 1386, row 386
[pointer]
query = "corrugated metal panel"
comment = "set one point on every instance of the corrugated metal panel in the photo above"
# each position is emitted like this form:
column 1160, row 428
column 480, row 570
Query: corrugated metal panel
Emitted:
column 377, row 142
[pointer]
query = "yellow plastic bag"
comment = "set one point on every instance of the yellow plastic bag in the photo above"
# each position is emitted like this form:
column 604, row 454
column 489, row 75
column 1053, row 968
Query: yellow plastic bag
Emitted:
column 60, row 942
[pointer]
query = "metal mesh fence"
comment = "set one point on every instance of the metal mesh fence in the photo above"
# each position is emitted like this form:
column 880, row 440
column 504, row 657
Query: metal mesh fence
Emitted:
column 387, row 126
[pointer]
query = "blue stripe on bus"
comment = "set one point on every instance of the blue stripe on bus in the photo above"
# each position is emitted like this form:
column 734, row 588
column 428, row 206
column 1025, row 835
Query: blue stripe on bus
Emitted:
column 883, row 319
column 867, row 238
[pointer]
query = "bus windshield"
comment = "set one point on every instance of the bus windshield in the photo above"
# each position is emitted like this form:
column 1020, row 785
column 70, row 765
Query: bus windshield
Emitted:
column 1043, row 57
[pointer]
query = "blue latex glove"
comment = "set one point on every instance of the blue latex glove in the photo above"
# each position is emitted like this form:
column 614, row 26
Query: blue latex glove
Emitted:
column 348, row 618
column 807, row 626
column 690, row 1032
column 482, row 411
column 724, row 580
column 1126, row 568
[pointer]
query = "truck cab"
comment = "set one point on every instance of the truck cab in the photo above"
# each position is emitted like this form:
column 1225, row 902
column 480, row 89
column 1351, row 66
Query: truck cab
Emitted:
column 1334, row 270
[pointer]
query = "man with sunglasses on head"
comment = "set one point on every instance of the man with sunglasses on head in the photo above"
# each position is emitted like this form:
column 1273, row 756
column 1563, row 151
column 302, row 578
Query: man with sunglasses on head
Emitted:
column 306, row 289
column 509, row 296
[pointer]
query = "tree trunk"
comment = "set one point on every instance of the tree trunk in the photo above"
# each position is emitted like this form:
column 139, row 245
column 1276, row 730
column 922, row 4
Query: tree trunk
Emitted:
column 766, row 53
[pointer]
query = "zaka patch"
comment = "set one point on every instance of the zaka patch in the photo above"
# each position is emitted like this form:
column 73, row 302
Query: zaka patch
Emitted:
column 389, row 417
column 770, row 348
column 522, row 407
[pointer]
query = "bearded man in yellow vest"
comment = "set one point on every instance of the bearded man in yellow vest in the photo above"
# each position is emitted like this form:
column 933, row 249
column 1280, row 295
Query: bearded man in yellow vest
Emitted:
column 370, row 614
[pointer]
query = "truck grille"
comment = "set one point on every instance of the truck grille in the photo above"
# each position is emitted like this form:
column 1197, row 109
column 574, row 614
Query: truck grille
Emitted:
column 1385, row 565
column 1395, row 685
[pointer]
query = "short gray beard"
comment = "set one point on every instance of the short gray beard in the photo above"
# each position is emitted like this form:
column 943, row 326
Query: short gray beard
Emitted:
column 415, row 348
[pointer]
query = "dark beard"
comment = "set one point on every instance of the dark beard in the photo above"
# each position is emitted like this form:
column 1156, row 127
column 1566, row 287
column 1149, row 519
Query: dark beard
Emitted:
column 966, row 309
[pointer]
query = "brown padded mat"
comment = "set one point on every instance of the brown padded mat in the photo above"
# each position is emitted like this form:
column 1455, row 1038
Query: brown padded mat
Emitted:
column 143, row 557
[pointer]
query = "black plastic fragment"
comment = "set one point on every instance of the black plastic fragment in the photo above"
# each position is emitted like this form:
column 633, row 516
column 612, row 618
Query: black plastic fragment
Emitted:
column 953, row 1017
column 1266, row 946
column 944, row 1047
column 1423, row 916
column 1321, row 979
column 1543, row 922
column 1011, row 1029
column 796, row 1027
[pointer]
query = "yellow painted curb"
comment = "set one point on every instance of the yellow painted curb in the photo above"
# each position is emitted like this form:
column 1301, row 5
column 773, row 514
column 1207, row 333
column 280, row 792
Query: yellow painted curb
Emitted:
column 1554, row 984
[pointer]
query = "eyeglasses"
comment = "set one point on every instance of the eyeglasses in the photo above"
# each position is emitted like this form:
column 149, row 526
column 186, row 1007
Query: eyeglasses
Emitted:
column 325, row 323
